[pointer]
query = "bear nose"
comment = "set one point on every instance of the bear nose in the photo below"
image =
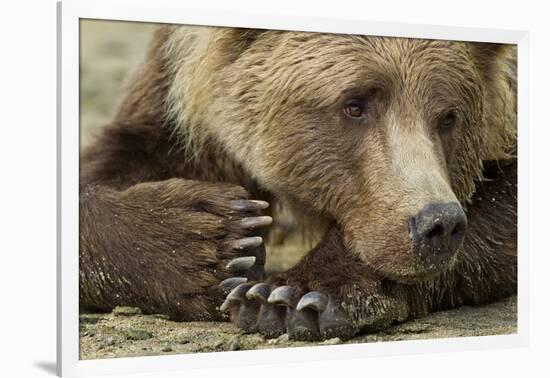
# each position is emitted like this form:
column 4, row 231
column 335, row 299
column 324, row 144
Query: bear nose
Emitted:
column 437, row 231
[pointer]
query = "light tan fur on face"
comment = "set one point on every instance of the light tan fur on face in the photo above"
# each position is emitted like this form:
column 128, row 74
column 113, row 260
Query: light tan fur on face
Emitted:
column 416, row 164
column 272, row 100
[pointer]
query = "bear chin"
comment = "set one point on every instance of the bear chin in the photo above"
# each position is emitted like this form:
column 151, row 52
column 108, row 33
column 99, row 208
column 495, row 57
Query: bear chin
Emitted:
column 420, row 272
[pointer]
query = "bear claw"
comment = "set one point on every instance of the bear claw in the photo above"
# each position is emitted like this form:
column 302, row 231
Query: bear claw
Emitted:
column 245, row 243
column 241, row 264
column 281, row 296
column 313, row 300
column 253, row 222
column 259, row 292
column 249, row 205
column 230, row 283
column 236, row 295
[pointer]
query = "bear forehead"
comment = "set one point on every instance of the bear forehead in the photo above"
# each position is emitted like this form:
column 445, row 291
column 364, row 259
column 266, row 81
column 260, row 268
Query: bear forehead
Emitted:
column 298, row 47
column 321, row 67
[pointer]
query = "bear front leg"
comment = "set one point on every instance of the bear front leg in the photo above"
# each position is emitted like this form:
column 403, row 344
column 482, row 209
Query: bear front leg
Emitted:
column 163, row 246
column 330, row 293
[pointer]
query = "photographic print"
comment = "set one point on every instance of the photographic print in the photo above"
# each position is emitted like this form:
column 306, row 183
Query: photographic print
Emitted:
column 256, row 189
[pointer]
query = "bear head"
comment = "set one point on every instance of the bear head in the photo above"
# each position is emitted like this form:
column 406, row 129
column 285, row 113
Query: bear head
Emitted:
column 385, row 136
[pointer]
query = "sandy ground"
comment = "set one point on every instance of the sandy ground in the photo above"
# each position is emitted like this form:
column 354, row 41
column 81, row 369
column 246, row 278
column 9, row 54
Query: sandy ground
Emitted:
column 112, row 335
column 110, row 51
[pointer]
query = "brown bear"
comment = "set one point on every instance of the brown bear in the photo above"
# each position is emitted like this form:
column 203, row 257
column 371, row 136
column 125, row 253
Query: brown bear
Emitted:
column 399, row 153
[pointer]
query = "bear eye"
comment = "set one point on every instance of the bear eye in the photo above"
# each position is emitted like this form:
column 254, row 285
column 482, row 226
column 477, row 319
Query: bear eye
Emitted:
column 449, row 120
column 353, row 109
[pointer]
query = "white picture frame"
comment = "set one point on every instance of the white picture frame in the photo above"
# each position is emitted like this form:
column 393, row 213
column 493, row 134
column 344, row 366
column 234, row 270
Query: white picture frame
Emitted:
column 172, row 11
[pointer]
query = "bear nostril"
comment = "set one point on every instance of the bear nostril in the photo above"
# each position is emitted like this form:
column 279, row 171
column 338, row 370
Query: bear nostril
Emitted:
column 435, row 232
column 456, row 231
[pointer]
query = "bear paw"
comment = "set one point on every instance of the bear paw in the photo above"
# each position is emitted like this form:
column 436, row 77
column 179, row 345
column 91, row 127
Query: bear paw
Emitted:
column 274, row 310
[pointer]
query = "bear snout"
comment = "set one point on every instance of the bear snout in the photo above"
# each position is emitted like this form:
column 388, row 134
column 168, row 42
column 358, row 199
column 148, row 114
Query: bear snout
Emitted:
column 437, row 231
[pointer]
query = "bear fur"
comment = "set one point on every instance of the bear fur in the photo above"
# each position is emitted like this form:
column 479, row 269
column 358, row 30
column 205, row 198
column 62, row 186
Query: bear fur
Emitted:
column 216, row 117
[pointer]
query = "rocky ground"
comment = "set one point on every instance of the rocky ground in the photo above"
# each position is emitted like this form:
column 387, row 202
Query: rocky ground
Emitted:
column 109, row 52
column 126, row 333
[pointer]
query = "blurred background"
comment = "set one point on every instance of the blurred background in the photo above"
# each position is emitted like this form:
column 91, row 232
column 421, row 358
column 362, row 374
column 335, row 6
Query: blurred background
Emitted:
column 109, row 53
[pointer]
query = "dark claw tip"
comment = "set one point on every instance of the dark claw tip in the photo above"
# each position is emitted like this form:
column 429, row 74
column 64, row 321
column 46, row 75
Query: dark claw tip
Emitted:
column 314, row 300
column 241, row 264
column 248, row 205
column 230, row 283
column 245, row 243
column 281, row 296
column 253, row 222
column 259, row 292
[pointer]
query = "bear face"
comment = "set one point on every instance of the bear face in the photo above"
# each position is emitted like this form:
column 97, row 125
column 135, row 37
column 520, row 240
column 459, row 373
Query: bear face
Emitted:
column 374, row 133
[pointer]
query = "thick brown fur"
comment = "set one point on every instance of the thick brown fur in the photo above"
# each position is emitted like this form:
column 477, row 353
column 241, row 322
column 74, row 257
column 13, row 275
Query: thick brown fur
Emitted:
column 219, row 114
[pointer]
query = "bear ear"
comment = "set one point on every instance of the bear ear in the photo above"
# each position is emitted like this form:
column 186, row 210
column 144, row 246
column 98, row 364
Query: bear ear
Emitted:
column 487, row 54
column 235, row 41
